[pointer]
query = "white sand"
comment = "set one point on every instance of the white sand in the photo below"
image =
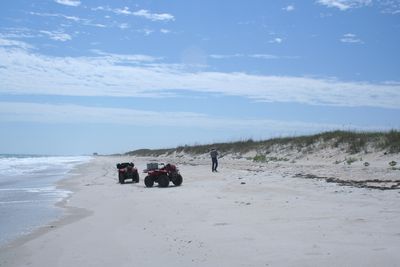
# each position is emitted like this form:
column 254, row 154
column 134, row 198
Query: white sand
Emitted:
column 246, row 215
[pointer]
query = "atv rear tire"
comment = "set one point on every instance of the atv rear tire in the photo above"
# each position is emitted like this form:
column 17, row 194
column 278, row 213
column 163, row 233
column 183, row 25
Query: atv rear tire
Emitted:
column 178, row 180
column 163, row 181
column 148, row 181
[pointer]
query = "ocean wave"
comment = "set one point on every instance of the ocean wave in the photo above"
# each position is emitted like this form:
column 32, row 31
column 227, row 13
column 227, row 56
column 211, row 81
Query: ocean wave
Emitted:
column 17, row 165
column 13, row 202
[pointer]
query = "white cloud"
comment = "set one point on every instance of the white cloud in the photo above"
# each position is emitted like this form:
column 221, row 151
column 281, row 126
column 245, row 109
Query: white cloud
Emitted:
column 123, row 26
column 85, row 22
column 75, row 114
column 289, row 8
column 4, row 42
column 123, row 11
column 219, row 56
column 264, row 56
column 165, row 31
column 259, row 56
column 140, row 13
column 119, row 58
column 57, row 36
column 390, row 6
column 99, row 25
column 345, row 4
column 69, row 2
column 145, row 31
column 50, row 113
column 73, row 18
column 153, row 16
column 350, row 38
column 276, row 40
column 24, row 72
column 17, row 33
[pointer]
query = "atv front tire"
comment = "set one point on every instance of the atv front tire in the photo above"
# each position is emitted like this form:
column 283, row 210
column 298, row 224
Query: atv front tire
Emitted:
column 121, row 178
column 148, row 181
column 178, row 180
column 163, row 181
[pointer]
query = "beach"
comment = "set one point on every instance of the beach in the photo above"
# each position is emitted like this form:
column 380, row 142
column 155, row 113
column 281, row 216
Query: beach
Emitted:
column 247, row 214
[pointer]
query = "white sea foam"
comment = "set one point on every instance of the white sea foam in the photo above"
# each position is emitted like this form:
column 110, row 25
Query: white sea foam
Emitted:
column 12, row 202
column 14, row 166
column 28, row 191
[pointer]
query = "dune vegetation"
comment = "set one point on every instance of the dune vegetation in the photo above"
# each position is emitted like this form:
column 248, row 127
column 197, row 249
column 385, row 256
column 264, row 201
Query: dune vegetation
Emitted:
column 350, row 142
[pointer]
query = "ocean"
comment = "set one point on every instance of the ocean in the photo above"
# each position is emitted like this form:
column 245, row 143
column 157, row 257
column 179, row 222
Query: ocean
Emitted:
column 28, row 192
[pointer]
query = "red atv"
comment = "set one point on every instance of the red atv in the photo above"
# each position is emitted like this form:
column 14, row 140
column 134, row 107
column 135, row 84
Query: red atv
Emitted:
column 162, row 175
column 127, row 170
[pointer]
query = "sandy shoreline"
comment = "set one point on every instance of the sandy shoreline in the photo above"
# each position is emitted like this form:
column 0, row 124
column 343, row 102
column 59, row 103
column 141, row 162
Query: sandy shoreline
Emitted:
column 246, row 215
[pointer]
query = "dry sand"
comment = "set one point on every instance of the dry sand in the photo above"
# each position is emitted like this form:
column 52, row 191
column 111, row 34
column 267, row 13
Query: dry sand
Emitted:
column 247, row 214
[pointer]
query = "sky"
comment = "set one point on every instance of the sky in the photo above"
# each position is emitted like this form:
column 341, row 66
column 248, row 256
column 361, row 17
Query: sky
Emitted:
column 78, row 77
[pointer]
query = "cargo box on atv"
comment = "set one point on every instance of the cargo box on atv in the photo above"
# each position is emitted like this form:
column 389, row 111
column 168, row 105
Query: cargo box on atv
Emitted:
column 162, row 175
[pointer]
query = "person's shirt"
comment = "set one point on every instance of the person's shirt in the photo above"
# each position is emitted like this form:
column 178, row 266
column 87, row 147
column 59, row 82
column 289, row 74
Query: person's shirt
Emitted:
column 214, row 153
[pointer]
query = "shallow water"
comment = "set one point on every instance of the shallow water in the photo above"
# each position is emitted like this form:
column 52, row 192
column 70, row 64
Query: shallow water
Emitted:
column 28, row 192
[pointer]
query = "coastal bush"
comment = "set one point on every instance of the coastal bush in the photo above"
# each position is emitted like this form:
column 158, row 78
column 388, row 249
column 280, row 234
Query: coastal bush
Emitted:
column 263, row 158
column 260, row 158
column 350, row 160
column 276, row 159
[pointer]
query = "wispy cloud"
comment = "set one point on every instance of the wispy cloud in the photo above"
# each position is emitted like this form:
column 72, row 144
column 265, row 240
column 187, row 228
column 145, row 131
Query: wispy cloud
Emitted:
column 73, row 18
column 264, row 56
column 345, row 4
column 146, row 31
column 50, row 113
column 229, row 56
column 165, row 31
column 69, row 2
column 350, row 38
column 57, row 36
column 86, row 22
column 386, row 6
column 104, row 75
column 123, row 26
column 276, row 40
column 288, row 8
column 9, row 43
column 153, row 16
column 118, row 58
column 390, row 6
column 75, row 114
column 226, row 56
column 140, row 13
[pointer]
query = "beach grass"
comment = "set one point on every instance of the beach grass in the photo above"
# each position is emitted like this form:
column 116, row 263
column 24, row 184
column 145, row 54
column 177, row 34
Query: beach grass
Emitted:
column 351, row 142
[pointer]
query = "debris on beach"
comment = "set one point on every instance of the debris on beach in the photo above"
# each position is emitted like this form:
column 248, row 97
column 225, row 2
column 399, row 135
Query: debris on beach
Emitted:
column 371, row 184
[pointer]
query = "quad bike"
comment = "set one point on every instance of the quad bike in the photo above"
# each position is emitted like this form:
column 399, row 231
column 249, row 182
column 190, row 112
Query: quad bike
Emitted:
column 162, row 175
column 127, row 170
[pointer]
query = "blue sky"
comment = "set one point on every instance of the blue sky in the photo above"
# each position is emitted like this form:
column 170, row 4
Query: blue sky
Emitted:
column 78, row 76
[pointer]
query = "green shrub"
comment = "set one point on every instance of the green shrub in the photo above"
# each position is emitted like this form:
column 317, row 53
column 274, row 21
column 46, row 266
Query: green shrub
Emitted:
column 260, row 158
column 350, row 160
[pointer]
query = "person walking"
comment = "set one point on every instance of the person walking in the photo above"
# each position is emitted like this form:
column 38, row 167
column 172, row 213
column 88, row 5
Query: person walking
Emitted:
column 214, row 159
